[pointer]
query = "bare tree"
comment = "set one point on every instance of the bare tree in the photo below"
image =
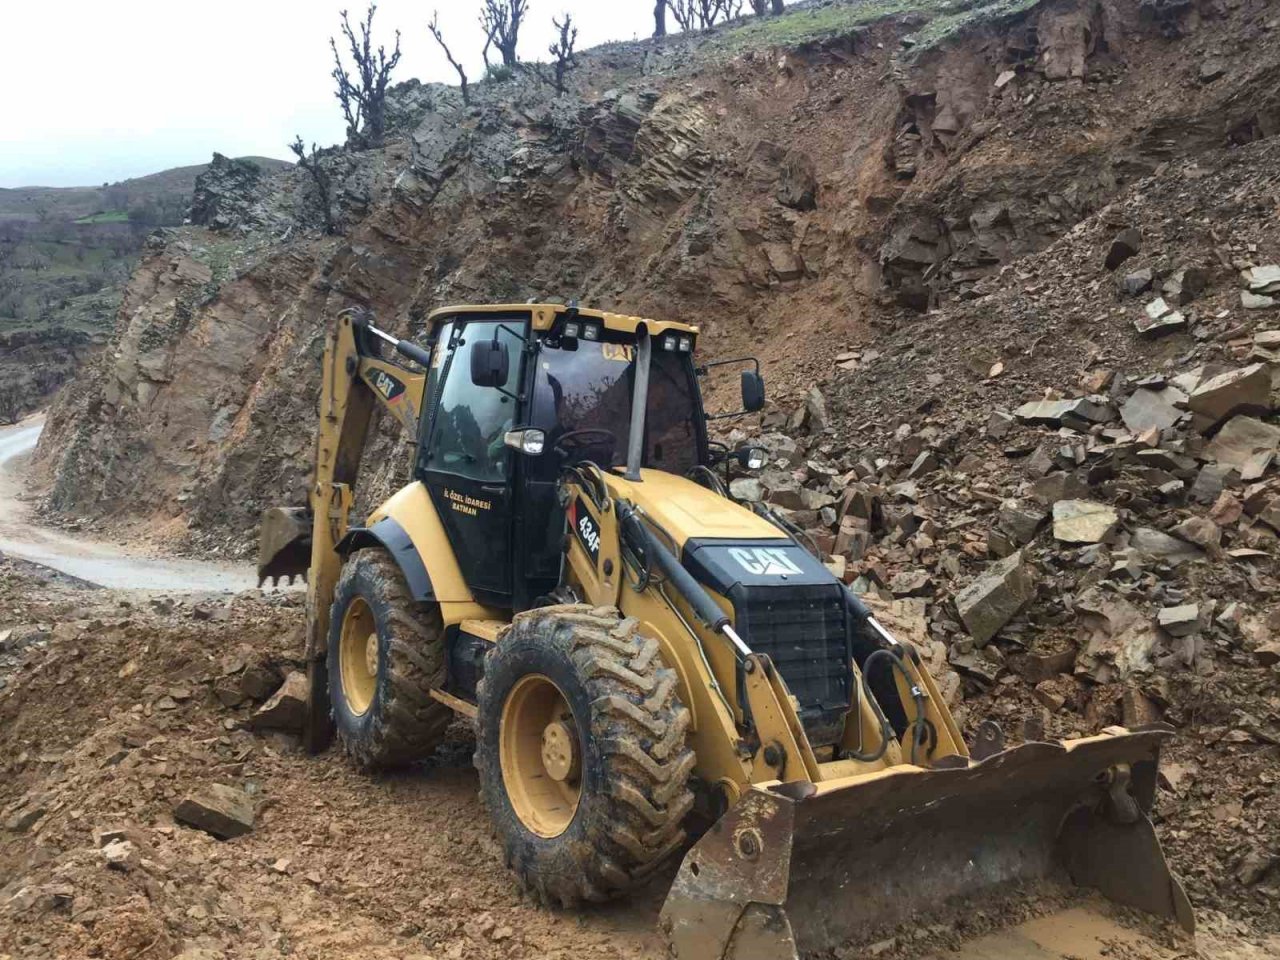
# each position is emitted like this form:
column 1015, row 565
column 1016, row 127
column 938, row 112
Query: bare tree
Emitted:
column 434, row 27
column 777, row 6
column 501, row 20
column 703, row 14
column 759, row 7
column 320, row 178
column 562, row 50
column 660, row 18
column 364, row 100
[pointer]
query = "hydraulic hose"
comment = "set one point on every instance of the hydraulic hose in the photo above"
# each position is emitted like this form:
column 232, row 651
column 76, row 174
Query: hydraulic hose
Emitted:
column 919, row 726
column 704, row 608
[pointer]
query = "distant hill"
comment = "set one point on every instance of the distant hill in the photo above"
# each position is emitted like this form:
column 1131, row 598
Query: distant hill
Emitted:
column 163, row 191
column 65, row 255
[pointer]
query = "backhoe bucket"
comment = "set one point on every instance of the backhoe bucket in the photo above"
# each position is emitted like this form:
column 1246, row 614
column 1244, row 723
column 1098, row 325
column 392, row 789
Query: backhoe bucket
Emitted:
column 284, row 543
column 932, row 858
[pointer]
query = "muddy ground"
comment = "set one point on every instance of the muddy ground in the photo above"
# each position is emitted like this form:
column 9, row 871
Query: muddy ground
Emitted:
column 114, row 707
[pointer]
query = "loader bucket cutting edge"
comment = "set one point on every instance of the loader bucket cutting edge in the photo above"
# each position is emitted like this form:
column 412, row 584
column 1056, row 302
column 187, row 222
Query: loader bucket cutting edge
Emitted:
column 284, row 543
column 784, row 878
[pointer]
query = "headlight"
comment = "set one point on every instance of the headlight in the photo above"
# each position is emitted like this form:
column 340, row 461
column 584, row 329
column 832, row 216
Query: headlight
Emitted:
column 590, row 331
column 572, row 328
column 686, row 344
column 753, row 458
column 527, row 441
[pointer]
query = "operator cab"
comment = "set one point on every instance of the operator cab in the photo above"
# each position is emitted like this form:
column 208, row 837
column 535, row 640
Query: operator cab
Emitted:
column 499, row 377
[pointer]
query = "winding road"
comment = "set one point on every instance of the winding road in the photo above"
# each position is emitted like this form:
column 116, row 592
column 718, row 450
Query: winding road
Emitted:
column 105, row 564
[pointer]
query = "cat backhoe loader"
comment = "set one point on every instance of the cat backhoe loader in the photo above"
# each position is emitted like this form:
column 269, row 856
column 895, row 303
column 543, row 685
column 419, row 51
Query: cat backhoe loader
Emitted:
column 647, row 660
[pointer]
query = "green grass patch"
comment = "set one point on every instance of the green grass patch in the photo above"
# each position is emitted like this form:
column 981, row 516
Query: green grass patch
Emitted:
column 107, row 216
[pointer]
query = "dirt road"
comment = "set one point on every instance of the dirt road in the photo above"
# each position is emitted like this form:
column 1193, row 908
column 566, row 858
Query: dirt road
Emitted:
column 106, row 564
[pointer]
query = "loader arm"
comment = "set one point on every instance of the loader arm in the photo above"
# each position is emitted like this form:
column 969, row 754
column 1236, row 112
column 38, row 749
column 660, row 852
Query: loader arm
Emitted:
column 354, row 380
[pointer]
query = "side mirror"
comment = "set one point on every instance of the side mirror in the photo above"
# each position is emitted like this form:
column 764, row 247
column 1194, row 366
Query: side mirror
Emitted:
column 752, row 391
column 490, row 363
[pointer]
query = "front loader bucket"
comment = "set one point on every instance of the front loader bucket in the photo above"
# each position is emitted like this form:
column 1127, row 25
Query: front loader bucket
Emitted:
column 800, row 870
column 284, row 543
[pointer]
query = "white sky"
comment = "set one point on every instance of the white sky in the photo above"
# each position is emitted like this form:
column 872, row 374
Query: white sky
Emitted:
column 96, row 91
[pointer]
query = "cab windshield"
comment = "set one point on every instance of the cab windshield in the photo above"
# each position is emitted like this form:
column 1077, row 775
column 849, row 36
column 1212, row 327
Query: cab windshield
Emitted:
column 588, row 385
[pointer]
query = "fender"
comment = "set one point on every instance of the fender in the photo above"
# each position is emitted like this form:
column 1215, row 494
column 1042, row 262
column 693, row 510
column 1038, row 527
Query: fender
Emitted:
column 420, row 539
column 388, row 534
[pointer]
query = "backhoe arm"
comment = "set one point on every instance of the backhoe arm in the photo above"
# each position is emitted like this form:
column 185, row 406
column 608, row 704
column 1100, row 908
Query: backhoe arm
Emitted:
column 303, row 540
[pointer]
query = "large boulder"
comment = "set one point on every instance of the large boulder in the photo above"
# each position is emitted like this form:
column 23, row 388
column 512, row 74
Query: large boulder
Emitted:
column 1246, row 390
column 1083, row 521
column 217, row 809
column 991, row 601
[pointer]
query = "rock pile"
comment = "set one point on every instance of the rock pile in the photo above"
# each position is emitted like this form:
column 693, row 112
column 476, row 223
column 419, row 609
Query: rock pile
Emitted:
column 1080, row 541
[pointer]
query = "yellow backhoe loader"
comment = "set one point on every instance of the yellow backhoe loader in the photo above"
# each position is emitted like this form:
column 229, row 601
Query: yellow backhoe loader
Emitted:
column 647, row 660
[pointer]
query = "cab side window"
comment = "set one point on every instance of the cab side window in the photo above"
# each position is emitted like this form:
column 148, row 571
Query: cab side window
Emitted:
column 471, row 422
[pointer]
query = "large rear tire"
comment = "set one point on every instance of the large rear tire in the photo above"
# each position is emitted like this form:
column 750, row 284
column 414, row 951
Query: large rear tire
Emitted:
column 386, row 654
column 581, row 751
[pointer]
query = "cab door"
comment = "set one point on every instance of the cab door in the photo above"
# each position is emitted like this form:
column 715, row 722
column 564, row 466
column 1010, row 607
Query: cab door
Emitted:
column 465, row 464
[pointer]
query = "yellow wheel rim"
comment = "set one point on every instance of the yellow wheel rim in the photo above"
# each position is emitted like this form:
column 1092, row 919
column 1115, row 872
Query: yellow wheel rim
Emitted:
column 358, row 656
column 539, row 751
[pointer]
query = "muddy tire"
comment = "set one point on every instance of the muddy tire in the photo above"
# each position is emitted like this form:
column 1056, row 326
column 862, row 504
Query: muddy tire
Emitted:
column 630, row 764
column 381, row 674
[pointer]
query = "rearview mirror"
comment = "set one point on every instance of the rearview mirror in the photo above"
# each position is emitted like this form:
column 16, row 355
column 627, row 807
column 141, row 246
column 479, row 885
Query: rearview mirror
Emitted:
column 752, row 391
column 490, row 363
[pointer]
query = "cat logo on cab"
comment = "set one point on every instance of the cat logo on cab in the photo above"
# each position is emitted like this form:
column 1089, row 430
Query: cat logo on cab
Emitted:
column 764, row 561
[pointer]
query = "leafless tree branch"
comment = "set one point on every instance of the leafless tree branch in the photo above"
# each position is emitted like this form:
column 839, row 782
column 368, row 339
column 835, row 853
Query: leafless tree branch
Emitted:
column 364, row 99
column 319, row 177
column 501, row 21
column 562, row 50
column 434, row 27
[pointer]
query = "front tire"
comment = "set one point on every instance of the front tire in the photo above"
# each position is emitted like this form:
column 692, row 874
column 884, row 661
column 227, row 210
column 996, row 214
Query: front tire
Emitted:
column 386, row 654
column 581, row 752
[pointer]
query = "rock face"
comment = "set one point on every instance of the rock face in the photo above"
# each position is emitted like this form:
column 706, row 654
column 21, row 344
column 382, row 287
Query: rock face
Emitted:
column 731, row 196
column 226, row 193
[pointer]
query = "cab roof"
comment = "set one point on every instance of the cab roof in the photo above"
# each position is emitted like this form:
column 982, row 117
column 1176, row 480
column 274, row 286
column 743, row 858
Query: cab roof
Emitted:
column 544, row 315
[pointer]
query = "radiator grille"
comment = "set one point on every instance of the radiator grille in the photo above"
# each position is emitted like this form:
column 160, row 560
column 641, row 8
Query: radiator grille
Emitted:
column 802, row 629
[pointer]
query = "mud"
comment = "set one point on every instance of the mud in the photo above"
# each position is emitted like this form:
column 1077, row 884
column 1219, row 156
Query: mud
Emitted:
column 114, row 707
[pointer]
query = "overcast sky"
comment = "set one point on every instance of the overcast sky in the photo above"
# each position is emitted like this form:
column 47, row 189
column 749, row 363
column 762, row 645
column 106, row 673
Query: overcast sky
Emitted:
column 99, row 91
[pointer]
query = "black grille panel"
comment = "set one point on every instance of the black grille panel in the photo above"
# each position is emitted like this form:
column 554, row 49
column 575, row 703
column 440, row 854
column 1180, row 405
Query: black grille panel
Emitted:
column 802, row 629
column 788, row 605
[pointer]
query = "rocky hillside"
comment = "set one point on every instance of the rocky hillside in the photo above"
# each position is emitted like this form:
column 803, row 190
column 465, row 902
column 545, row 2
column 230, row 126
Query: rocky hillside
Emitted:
column 787, row 198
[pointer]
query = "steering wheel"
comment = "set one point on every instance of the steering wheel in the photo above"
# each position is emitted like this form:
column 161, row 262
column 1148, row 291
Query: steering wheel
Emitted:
column 586, row 437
